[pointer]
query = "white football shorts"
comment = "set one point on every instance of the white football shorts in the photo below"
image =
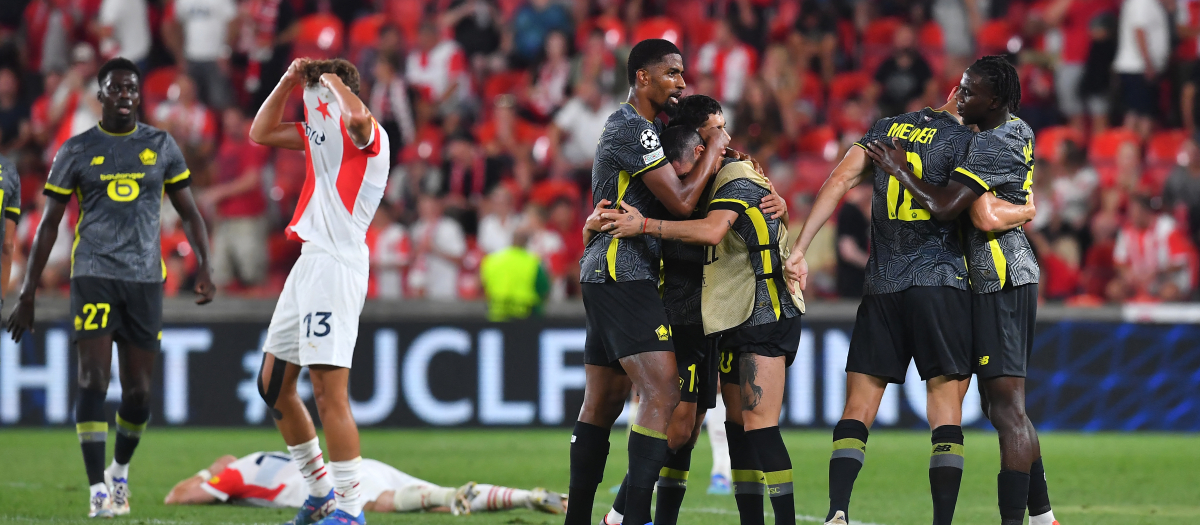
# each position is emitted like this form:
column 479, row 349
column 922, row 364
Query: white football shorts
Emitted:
column 316, row 319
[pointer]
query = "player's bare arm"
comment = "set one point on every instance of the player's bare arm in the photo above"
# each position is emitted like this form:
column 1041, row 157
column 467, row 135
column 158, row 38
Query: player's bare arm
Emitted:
column 945, row 203
column 197, row 236
column 268, row 127
column 22, row 316
column 993, row 214
column 6, row 253
column 704, row 232
column 355, row 115
column 680, row 195
column 850, row 172
column 188, row 491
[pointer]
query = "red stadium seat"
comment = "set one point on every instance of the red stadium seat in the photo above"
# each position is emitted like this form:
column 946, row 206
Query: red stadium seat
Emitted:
column 993, row 37
column 880, row 31
column 848, row 85
column 614, row 31
column 1049, row 144
column 929, row 37
column 811, row 172
column 406, row 15
column 658, row 27
column 1105, row 145
column 320, row 36
column 364, row 32
column 508, row 82
column 817, row 141
column 156, row 84
column 1164, row 146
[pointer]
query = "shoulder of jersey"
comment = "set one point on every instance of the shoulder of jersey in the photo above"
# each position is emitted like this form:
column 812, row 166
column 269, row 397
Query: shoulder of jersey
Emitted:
column 150, row 131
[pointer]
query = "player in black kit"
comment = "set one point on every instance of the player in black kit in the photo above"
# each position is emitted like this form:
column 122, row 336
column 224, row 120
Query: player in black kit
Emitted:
column 1004, row 271
column 119, row 171
column 628, row 333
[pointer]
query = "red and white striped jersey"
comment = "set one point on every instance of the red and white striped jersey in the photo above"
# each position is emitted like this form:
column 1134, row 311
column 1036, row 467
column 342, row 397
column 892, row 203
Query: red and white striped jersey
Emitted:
column 272, row 479
column 343, row 183
column 731, row 68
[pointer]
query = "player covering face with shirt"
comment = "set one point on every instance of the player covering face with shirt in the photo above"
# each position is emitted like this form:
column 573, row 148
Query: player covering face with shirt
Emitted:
column 315, row 324
column 119, row 171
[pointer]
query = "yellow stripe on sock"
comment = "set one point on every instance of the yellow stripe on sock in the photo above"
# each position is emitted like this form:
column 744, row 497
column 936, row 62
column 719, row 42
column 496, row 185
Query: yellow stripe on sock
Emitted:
column 948, row 448
column 132, row 427
column 91, row 426
column 648, row 432
column 778, row 477
column 849, row 443
column 748, row 476
column 671, row 473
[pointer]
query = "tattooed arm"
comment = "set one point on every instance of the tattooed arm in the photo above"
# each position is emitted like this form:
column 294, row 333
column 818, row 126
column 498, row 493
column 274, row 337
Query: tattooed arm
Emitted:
column 705, row 232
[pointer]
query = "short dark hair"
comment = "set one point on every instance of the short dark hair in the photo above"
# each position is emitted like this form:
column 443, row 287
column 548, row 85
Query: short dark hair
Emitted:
column 338, row 66
column 1000, row 74
column 693, row 111
column 118, row 64
column 679, row 143
column 648, row 53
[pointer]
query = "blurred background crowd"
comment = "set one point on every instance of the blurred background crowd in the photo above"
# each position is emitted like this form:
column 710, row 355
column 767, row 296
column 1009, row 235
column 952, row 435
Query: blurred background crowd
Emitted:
column 494, row 109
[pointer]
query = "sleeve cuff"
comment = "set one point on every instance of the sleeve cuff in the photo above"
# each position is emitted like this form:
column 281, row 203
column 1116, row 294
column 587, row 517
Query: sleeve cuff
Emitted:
column 372, row 147
column 54, row 194
column 860, row 144
column 178, row 182
column 735, row 205
column 13, row 214
column 651, row 166
column 970, row 180
column 206, row 487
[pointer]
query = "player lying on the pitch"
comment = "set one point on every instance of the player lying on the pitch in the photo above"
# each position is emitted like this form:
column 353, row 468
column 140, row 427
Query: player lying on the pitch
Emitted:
column 272, row 479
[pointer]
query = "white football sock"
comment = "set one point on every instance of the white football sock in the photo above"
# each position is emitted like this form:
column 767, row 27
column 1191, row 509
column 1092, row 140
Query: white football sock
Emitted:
column 492, row 497
column 97, row 489
column 613, row 517
column 308, row 457
column 118, row 470
column 345, row 485
column 1042, row 519
column 715, row 422
column 422, row 497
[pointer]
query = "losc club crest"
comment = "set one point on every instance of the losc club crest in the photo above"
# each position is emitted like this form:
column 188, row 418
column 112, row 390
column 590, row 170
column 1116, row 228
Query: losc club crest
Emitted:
column 649, row 139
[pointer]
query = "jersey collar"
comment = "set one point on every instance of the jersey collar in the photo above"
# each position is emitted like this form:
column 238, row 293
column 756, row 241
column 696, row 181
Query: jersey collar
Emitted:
column 127, row 133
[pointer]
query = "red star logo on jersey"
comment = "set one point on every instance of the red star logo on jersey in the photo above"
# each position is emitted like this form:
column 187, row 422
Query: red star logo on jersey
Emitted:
column 323, row 108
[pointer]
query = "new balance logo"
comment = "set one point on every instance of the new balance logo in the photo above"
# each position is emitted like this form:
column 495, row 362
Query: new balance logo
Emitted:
column 984, row 360
column 942, row 448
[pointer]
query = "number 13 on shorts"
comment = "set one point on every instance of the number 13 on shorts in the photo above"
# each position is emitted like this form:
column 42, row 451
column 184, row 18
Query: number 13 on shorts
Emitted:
column 316, row 324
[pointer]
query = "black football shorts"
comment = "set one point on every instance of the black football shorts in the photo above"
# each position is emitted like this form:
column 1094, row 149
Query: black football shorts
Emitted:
column 930, row 325
column 1003, row 326
column 129, row 311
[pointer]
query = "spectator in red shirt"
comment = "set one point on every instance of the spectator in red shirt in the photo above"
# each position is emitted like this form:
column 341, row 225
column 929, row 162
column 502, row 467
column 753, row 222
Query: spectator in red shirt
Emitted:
column 240, row 234
column 189, row 121
column 729, row 61
column 1153, row 258
column 564, row 220
column 437, row 67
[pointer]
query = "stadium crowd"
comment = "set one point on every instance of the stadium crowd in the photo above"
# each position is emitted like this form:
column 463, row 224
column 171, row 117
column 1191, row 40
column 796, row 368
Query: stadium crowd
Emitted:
column 494, row 109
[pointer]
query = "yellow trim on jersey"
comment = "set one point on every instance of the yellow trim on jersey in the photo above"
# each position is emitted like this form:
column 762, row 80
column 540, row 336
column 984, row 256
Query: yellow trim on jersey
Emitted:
column 764, row 237
column 177, row 178
column 859, row 144
column 58, row 190
column 13, row 209
column 998, row 258
column 107, row 132
column 623, row 180
column 968, row 173
column 655, row 164
column 75, row 243
column 736, row 201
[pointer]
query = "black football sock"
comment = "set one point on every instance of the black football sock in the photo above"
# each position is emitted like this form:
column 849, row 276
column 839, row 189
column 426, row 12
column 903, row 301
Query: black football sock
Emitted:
column 622, row 493
column 589, row 452
column 92, row 428
column 1039, row 495
column 672, row 484
column 945, row 471
column 748, row 483
column 849, row 453
column 647, row 454
column 1012, row 489
column 777, row 471
column 131, row 422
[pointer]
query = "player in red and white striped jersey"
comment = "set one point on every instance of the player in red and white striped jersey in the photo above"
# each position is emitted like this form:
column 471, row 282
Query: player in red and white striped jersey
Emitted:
column 315, row 323
column 272, row 479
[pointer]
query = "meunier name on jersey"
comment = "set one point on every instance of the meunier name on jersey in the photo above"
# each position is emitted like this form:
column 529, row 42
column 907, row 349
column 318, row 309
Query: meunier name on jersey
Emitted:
column 749, row 257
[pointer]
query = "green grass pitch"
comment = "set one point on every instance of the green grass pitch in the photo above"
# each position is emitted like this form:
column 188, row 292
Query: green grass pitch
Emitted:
column 1095, row 479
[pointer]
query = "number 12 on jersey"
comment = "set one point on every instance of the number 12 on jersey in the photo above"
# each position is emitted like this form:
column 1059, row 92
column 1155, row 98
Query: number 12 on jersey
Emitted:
column 900, row 201
column 322, row 328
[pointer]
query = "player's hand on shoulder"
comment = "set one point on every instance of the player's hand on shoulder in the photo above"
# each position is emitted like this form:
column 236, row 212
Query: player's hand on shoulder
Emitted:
column 594, row 221
column 773, row 205
column 204, row 288
column 889, row 156
column 21, row 319
column 795, row 269
column 626, row 223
